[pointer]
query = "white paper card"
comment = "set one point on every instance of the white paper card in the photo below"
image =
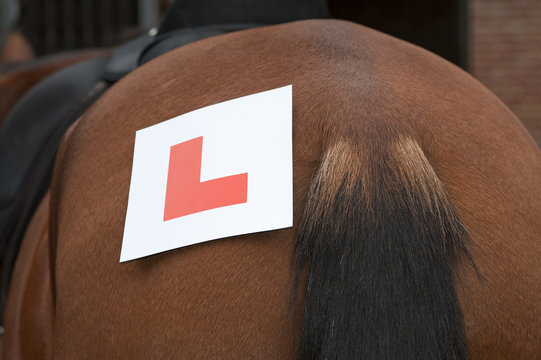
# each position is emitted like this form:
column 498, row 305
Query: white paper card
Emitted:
column 215, row 172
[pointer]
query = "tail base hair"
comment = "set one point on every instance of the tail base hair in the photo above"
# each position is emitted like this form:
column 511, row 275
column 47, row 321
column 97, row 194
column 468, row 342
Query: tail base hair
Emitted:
column 377, row 243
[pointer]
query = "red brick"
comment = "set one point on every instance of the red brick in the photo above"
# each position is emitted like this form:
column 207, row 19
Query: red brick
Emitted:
column 505, row 54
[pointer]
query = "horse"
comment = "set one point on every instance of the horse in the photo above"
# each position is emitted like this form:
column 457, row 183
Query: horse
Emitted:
column 31, row 290
column 15, row 49
column 415, row 232
column 28, row 147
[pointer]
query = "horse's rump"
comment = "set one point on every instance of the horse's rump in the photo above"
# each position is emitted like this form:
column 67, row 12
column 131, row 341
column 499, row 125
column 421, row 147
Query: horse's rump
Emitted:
column 29, row 311
column 395, row 133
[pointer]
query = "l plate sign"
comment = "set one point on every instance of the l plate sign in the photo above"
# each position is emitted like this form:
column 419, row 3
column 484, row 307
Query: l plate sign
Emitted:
column 219, row 171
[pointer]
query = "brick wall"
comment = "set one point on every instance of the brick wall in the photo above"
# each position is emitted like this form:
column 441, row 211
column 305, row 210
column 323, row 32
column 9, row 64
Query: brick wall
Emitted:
column 505, row 54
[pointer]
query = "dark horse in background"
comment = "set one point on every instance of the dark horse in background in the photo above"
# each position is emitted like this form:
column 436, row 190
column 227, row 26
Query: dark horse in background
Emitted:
column 416, row 216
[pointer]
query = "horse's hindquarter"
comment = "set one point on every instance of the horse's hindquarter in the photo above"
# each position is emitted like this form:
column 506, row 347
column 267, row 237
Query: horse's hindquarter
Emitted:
column 29, row 310
column 490, row 167
column 232, row 296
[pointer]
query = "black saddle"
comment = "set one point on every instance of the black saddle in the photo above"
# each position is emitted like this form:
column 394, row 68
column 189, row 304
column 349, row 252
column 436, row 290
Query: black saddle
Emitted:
column 32, row 132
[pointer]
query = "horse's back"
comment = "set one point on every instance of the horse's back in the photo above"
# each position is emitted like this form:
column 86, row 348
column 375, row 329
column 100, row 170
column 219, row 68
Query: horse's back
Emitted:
column 233, row 296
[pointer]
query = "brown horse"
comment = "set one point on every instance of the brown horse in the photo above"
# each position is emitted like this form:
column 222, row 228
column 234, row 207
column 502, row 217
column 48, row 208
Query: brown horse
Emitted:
column 21, row 77
column 15, row 49
column 31, row 289
column 416, row 216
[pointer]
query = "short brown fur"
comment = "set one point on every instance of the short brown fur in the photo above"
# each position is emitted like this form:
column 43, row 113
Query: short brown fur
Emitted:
column 16, row 48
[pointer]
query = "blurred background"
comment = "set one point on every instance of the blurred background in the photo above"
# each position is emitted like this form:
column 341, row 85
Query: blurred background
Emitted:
column 497, row 41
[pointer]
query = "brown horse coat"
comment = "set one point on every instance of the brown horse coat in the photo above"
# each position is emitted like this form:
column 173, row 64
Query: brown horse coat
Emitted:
column 358, row 97
column 16, row 48
column 29, row 308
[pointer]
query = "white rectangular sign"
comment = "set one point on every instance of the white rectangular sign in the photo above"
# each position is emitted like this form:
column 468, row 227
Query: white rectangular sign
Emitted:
column 215, row 172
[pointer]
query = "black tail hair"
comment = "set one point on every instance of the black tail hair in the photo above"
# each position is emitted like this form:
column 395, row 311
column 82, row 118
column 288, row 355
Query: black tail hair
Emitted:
column 377, row 244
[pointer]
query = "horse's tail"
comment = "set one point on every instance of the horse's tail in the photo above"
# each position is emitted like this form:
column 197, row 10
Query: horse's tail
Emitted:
column 376, row 246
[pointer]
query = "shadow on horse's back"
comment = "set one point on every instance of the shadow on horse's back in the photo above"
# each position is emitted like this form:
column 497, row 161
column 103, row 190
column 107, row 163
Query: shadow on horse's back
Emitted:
column 396, row 153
